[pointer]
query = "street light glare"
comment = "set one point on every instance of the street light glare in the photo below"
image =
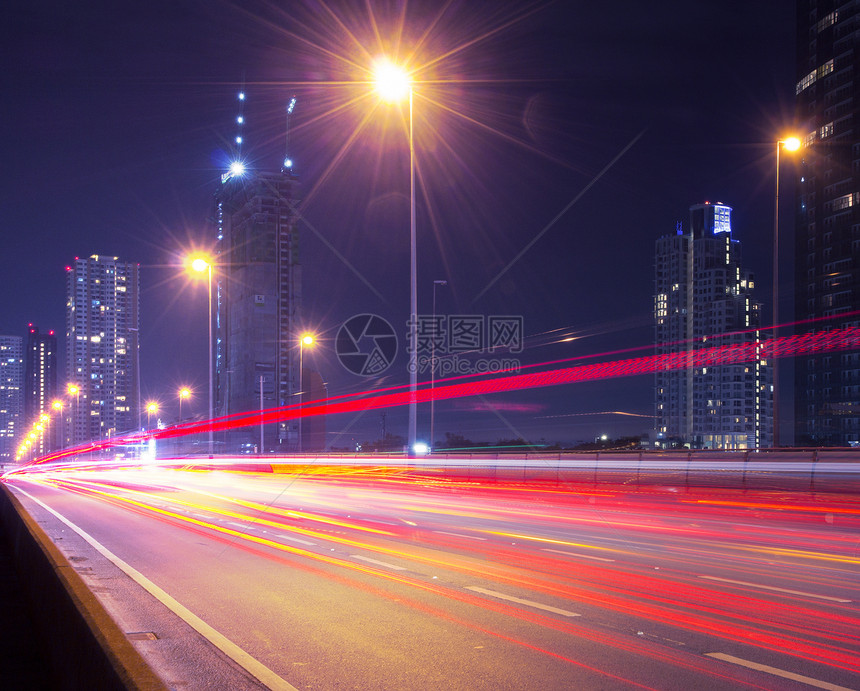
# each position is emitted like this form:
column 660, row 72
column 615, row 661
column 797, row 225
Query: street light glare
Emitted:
column 184, row 393
column 152, row 407
column 791, row 144
column 392, row 82
column 199, row 264
column 308, row 339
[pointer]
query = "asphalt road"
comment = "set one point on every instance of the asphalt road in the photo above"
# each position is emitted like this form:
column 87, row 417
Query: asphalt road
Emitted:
column 362, row 578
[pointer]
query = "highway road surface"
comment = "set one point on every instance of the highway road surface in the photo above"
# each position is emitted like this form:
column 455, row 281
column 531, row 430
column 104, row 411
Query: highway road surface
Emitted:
column 338, row 577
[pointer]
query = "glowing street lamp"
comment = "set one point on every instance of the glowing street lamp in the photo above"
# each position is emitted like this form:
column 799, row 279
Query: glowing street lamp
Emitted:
column 184, row 392
column 151, row 409
column 790, row 144
column 394, row 84
column 307, row 340
column 201, row 264
column 73, row 390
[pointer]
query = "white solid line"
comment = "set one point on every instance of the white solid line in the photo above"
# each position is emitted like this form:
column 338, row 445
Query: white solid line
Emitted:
column 574, row 554
column 778, row 672
column 296, row 539
column 770, row 587
column 529, row 603
column 233, row 651
column 379, row 563
column 470, row 537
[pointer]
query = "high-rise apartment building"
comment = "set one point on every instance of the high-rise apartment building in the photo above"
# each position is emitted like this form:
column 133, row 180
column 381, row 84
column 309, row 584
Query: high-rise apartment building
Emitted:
column 102, row 305
column 11, row 395
column 258, row 281
column 40, row 385
column 827, row 234
column 704, row 298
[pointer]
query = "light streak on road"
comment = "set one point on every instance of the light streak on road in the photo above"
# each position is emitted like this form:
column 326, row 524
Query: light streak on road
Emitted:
column 752, row 571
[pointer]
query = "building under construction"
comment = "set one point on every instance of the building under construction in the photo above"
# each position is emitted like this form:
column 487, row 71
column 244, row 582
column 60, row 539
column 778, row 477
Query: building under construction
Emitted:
column 258, row 281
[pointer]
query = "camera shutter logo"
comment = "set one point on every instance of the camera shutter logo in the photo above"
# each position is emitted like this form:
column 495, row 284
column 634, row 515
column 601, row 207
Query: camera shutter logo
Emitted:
column 366, row 345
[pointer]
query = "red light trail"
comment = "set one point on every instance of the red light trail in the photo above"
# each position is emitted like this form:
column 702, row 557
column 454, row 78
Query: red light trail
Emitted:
column 787, row 346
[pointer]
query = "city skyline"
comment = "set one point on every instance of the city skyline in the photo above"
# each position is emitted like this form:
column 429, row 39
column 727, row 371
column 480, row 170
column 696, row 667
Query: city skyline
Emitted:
column 566, row 107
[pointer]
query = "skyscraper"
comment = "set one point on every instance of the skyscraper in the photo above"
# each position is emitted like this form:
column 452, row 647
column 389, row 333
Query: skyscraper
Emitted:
column 258, row 280
column 827, row 234
column 11, row 395
column 704, row 298
column 40, row 383
column 102, row 304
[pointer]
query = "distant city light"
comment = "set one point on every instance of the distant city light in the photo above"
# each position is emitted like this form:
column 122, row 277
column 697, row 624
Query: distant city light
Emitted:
column 238, row 140
column 241, row 95
column 240, row 119
column 288, row 163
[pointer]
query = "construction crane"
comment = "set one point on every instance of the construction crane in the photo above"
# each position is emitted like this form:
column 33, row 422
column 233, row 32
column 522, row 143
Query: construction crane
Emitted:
column 288, row 161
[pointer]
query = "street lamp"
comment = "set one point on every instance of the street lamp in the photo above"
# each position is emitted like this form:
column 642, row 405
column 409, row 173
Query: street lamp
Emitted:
column 394, row 84
column 57, row 405
column 184, row 392
column 201, row 264
column 789, row 144
column 73, row 390
column 306, row 340
column 151, row 409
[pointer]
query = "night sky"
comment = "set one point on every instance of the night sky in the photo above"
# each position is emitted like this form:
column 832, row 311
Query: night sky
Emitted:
column 119, row 119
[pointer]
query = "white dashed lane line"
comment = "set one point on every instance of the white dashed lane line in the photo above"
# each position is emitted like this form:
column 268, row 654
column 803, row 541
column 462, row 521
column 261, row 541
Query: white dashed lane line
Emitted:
column 468, row 537
column 379, row 563
column 778, row 672
column 770, row 587
column 520, row 601
column 575, row 554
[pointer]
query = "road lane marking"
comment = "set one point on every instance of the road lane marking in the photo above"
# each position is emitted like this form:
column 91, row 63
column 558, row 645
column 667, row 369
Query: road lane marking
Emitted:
column 575, row 554
column 295, row 539
column 250, row 664
column 528, row 603
column 770, row 587
column 379, row 563
column 469, row 537
column 778, row 672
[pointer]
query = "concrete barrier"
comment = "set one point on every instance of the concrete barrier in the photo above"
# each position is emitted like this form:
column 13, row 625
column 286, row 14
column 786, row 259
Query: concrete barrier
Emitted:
column 85, row 647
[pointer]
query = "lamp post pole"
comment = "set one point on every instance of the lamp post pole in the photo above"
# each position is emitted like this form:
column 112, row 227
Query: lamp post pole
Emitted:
column 790, row 144
column 211, row 368
column 413, row 291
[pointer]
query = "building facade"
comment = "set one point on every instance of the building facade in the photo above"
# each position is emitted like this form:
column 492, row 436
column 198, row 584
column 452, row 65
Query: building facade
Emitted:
column 258, row 280
column 11, row 396
column 704, row 299
column 827, row 233
column 40, row 385
column 102, row 357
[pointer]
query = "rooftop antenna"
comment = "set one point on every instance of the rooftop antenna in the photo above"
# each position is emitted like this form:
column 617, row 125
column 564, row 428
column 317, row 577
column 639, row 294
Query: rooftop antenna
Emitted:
column 288, row 161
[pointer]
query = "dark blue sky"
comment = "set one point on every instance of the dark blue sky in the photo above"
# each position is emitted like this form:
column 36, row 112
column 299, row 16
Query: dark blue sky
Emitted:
column 118, row 119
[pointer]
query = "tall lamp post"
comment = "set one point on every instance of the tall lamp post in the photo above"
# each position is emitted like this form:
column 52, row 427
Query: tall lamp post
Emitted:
column 201, row 264
column 393, row 84
column 789, row 144
column 73, row 390
column 306, row 340
column 432, row 440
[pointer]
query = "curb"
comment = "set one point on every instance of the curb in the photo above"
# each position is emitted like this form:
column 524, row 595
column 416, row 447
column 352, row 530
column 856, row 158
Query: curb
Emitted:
column 85, row 646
